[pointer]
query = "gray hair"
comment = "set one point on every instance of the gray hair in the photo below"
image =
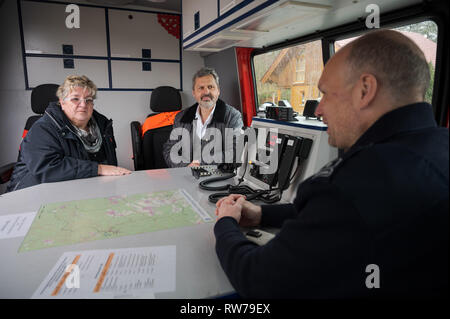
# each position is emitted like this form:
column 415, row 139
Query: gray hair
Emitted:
column 73, row 81
column 395, row 60
column 205, row 72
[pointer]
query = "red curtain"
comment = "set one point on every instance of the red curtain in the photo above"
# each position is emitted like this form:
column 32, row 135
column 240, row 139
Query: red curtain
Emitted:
column 243, row 57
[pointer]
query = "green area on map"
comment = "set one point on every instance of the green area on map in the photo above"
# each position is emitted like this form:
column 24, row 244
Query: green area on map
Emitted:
column 67, row 223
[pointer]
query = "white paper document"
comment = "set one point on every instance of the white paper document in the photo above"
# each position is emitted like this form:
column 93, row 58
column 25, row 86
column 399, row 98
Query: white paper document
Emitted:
column 16, row 225
column 113, row 273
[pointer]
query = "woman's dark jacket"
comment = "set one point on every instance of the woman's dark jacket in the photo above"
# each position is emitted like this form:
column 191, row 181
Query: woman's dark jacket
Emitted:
column 52, row 152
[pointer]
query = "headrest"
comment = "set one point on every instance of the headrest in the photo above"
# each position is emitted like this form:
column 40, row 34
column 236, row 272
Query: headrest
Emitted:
column 42, row 95
column 165, row 99
column 310, row 108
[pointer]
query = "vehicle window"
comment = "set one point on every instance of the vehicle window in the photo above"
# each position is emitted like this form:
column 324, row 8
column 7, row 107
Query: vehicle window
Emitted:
column 289, row 74
column 424, row 34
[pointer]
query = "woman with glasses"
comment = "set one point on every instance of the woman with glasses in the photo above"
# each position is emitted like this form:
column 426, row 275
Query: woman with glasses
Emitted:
column 70, row 141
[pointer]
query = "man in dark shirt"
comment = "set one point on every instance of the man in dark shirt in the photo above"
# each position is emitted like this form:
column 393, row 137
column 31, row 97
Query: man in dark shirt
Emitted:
column 372, row 223
column 202, row 125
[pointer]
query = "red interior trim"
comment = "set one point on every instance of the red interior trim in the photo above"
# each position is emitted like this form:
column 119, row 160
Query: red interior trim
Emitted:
column 243, row 57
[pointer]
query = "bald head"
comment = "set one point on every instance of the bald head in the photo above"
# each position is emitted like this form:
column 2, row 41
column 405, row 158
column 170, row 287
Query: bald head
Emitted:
column 395, row 60
column 369, row 77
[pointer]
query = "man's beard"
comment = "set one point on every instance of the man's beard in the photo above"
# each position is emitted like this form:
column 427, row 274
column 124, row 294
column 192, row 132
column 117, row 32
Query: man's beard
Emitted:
column 207, row 104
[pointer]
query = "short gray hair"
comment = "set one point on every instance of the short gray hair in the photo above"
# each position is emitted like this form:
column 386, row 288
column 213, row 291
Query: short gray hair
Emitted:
column 73, row 81
column 205, row 72
column 396, row 61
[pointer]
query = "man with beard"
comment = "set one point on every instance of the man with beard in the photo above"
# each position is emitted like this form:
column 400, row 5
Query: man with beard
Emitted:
column 199, row 132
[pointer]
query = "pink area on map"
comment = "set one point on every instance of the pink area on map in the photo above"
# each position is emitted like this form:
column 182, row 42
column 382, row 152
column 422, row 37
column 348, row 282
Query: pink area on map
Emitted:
column 111, row 212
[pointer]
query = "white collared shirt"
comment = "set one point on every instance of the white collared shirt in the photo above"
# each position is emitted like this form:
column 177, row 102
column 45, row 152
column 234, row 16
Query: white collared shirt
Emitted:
column 201, row 127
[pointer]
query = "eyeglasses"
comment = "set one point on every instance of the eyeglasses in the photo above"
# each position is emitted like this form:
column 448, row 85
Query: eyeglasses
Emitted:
column 77, row 100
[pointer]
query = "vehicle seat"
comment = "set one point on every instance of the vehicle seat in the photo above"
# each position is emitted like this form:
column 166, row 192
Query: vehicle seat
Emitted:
column 148, row 139
column 41, row 96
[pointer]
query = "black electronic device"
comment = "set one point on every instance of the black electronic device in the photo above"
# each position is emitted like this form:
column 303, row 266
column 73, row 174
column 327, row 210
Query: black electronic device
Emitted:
column 205, row 170
column 263, row 107
column 290, row 148
column 272, row 140
column 208, row 170
column 198, row 171
column 305, row 148
column 284, row 148
column 280, row 113
column 259, row 237
column 310, row 108
column 290, row 152
column 254, row 233
column 227, row 168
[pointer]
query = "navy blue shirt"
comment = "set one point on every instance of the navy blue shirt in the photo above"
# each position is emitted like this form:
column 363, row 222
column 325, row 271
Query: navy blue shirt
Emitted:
column 384, row 202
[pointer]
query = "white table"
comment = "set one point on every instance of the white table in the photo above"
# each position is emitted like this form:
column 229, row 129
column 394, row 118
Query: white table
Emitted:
column 198, row 271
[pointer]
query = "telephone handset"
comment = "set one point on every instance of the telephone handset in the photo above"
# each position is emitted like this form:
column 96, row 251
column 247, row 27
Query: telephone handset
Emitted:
column 289, row 148
column 287, row 161
column 296, row 147
column 257, row 169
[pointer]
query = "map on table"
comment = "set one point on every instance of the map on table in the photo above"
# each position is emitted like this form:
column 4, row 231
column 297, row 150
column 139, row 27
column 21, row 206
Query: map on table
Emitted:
column 67, row 223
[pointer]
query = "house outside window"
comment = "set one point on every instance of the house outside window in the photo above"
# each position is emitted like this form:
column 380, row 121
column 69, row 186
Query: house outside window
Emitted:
column 289, row 74
column 300, row 70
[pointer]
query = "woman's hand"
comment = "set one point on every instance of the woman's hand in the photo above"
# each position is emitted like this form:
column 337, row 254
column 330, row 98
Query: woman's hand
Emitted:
column 194, row 163
column 110, row 170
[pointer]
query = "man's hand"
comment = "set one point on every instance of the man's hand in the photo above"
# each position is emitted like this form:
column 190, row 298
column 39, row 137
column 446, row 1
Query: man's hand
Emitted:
column 111, row 170
column 245, row 213
column 230, row 208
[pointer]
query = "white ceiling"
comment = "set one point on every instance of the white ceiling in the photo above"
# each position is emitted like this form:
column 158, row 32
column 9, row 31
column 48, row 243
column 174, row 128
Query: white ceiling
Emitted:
column 170, row 5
